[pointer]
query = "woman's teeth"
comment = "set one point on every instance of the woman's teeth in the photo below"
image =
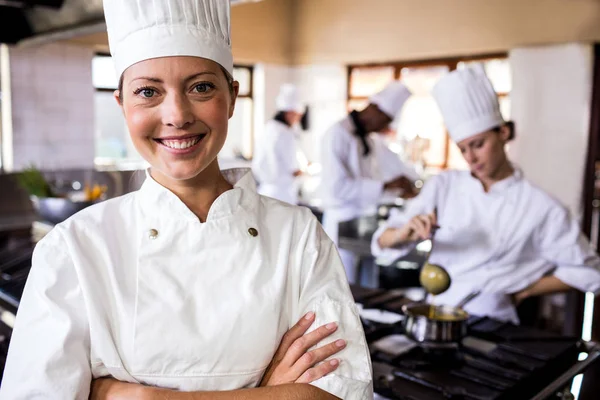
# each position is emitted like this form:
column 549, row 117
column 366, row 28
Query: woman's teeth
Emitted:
column 181, row 144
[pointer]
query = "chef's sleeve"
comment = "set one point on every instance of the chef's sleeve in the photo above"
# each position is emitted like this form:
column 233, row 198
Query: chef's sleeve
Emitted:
column 324, row 290
column 562, row 243
column 341, row 185
column 424, row 203
column 49, row 352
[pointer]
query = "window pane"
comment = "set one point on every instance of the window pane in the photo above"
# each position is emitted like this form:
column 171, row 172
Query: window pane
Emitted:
column 242, row 75
column 421, row 80
column 240, row 136
column 103, row 73
column 420, row 129
column 365, row 81
column 497, row 69
column 112, row 140
column 505, row 107
column 357, row 104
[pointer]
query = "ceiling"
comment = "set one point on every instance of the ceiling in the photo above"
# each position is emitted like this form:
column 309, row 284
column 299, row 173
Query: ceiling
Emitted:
column 37, row 21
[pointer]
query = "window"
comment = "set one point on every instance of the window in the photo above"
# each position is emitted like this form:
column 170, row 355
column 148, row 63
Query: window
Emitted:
column 240, row 138
column 114, row 148
column 420, row 132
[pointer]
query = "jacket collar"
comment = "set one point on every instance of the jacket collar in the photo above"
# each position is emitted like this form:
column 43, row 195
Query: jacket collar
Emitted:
column 158, row 201
column 504, row 184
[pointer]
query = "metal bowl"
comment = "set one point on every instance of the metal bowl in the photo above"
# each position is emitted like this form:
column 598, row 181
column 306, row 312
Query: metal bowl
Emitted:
column 57, row 209
column 448, row 326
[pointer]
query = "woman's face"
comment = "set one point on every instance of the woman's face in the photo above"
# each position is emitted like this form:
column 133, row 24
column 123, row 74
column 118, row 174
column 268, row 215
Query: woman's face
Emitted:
column 485, row 153
column 177, row 111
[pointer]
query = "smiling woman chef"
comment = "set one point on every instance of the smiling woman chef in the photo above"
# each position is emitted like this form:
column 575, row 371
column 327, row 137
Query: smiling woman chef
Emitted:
column 498, row 232
column 190, row 283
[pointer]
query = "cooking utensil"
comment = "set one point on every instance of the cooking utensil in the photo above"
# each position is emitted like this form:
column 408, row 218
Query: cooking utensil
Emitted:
column 449, row 324
column 467, row 299
column 434, row 278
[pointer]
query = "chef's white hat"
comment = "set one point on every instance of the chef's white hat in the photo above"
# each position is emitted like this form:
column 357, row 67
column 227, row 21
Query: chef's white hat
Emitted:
column 391, row 99
column 288, row 99
column 141, row 30
column 468, row 103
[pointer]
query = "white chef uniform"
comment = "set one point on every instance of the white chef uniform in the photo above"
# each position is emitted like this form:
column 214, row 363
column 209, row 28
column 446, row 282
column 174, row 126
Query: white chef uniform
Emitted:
column 352, row 182
column 275, row 152
column 139, row 289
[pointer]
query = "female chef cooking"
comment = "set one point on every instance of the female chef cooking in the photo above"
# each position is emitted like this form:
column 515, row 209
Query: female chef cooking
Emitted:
column 275, row 162
column 353, row 178
column 498, row 232
column 190, row 283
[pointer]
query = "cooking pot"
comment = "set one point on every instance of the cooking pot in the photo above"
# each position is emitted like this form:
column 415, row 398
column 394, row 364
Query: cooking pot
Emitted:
column 430, row 324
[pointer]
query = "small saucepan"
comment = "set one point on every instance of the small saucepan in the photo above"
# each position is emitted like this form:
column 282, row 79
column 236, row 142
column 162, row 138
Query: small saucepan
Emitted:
column 430, row 324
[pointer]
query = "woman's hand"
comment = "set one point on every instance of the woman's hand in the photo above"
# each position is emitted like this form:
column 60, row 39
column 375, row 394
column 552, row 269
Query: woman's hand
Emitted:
column 419, row 227
column 293, row 363
column 112, row 389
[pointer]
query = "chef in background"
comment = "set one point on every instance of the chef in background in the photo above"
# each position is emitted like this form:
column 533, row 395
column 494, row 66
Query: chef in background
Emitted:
column 499, row 233
column 275, row 164
column 352, row 180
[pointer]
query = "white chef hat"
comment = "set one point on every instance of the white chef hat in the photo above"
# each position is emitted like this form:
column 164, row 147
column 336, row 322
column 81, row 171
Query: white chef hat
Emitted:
column 288, row 99
column 141, row 30
column 391, row 99
column 468, row 103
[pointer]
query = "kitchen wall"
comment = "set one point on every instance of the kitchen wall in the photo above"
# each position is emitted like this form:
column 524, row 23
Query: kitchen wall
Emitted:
column 263, row 32
column 323, row 87
column 52, row 106
column 357, row 31
column 551, row 100
column 260, row 32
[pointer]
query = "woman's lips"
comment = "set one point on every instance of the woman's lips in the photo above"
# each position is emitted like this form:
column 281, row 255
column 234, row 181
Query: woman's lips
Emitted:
column 183, row 145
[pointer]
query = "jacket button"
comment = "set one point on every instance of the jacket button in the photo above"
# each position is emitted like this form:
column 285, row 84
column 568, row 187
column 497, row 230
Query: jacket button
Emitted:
column 152, row 234
column 253, row 232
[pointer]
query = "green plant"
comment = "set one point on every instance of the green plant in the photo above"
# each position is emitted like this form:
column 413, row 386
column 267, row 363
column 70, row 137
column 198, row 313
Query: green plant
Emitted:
column 33, row 181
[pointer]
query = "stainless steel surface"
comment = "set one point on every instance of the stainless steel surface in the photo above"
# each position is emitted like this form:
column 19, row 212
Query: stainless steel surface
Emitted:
column 423, row 329
column 593, row 350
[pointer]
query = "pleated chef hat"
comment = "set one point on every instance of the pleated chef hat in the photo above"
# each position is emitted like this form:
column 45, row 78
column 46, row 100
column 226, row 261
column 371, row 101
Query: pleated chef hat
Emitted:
column 391, row 99
column 141, row 30
column 288, row 99
column 468, row 103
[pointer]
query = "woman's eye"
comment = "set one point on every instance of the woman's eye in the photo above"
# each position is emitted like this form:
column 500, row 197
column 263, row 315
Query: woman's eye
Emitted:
column 145, row 92
column 202, row 87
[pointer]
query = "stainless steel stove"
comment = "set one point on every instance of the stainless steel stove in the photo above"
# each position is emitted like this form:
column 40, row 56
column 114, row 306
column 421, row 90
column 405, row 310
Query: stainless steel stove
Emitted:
column 496, row 361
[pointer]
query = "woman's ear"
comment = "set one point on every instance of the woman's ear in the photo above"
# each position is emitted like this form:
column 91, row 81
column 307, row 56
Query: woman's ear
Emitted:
column 505, row 133
column 236, row 89
column 117, row 96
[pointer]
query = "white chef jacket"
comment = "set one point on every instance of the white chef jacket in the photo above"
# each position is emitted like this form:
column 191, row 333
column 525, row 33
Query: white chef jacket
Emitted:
column 499, row 242
column 275, row 162
column 351, row 183
column 138, row 288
